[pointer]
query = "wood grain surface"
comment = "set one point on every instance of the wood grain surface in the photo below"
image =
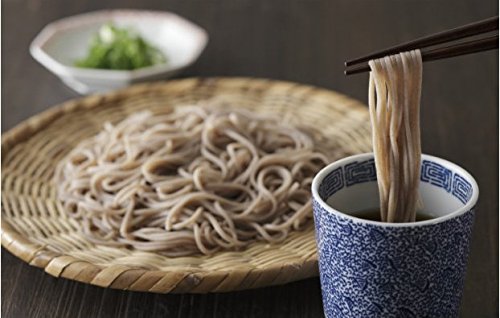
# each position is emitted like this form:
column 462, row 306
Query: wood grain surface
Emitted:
column 296, row 40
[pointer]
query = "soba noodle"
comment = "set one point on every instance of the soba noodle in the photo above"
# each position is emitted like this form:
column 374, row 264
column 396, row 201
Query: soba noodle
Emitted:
column 193, row 180
column 394, row 102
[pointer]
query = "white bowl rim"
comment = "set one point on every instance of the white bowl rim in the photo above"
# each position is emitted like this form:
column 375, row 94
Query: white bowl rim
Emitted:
column 39, row 54
column 366, row 156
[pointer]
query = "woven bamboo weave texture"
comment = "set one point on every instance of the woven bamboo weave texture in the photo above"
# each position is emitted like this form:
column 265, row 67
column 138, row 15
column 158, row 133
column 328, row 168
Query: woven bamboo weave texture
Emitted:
column 36, row 229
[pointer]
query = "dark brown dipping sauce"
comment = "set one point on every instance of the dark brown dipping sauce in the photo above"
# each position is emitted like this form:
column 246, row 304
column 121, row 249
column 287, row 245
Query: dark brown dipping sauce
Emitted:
column 374, row 215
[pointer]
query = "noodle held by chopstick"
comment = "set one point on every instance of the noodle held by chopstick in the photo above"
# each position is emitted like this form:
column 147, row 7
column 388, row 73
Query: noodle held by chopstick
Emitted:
column 394, row 103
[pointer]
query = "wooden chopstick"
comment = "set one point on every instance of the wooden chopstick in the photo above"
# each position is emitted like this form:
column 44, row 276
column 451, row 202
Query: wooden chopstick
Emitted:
column 472, row 46
column 470, row 29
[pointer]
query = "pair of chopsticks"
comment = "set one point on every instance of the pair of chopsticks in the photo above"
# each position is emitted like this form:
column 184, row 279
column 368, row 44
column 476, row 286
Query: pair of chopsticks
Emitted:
column 485, row 43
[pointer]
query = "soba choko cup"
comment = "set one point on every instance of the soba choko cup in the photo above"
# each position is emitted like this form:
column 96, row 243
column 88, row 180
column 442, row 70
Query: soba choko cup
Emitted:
column 376, row 269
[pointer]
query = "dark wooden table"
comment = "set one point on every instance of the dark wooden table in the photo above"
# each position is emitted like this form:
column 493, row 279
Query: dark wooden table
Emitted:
column 303, row 41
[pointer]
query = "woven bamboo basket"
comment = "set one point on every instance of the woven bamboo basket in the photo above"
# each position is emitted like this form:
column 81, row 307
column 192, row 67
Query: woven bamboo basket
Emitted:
column 36, row 229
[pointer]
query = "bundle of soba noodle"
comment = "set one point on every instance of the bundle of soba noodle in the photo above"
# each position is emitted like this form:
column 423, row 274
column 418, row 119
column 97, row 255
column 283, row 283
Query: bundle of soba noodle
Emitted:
column 394, row 102
column 192, row 180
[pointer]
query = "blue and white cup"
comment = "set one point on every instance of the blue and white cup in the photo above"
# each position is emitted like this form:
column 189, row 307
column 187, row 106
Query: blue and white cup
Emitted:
column 375, row 269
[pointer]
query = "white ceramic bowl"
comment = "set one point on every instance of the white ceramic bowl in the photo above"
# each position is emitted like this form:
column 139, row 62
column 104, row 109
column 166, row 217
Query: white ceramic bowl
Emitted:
column 62, row 42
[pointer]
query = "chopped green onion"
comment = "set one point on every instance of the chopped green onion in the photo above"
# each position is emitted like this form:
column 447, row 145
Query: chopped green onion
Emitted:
column 120, row 49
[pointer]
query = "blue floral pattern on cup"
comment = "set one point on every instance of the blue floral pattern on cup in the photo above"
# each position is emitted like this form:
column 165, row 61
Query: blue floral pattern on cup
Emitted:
column 364, row 274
